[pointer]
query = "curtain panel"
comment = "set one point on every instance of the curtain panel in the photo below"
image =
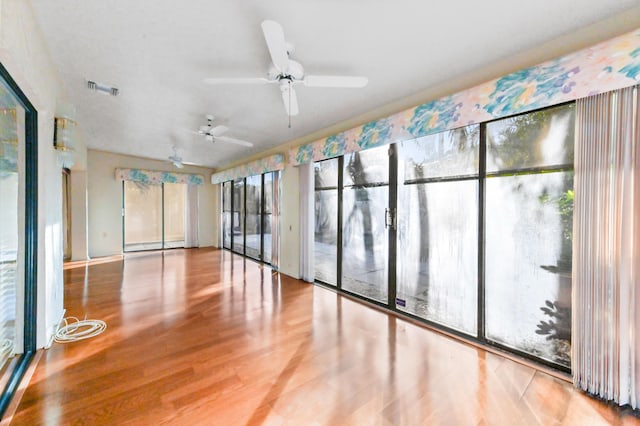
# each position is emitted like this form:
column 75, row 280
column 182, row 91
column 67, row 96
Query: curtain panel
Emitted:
column 306, row 173
column 157, row 177
column 606, row 292
column 191, row 217
column 607, row 66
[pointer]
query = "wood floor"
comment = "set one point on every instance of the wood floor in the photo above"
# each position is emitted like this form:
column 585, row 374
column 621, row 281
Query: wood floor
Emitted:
column 203, row 336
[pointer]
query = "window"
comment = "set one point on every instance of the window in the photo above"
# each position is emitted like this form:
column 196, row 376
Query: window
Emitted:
column 248, row 216
column 468, row 229
column 153, row 216
column 529, row 222
column 18, row 235
column 267, row 218
column 238, row 216
column 254, row 217
column 438, row 228
column 364, row 235
column 12, row 171
column 326, row 221
column 226, row 215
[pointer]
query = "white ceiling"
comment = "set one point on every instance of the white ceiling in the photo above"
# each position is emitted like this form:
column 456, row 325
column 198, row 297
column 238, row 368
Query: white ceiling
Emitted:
column 157, row 52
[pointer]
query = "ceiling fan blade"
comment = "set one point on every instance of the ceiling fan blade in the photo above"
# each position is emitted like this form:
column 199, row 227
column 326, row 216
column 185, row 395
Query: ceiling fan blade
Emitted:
column 335, row 81
column 218, row 130
column 177, row 161
column 274, row 36
column 289, row 98
column 234, row 141
column 241, row 80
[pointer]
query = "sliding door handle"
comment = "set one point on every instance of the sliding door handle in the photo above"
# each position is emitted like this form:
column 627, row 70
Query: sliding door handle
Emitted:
column 390, row 218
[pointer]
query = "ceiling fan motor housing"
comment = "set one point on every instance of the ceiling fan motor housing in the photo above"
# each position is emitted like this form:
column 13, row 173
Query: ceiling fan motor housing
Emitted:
column 294, row 72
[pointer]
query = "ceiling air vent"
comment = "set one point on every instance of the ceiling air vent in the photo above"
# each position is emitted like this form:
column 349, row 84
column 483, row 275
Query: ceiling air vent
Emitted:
column 102, row 88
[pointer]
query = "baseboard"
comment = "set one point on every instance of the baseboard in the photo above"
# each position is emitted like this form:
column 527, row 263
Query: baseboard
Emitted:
column 55, row 330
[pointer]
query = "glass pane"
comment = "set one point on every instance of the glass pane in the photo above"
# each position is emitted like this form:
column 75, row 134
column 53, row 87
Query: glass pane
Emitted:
column 142, row 216
column 365, row 242
column 226, row 215
column 226, row 196
column 268, row 203
column 174, row 209
column 438, row 252
column 370, row 166
column 326, row 236
column 254, row 215
column 529, row 224
column 12, row 180
column 238, row 216
column 535, row 139
column 326, row 173
column 450, row 153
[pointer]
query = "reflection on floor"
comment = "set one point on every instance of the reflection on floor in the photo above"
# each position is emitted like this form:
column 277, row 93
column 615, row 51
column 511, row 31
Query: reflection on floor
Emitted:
column 153, row 245
column 204, row 336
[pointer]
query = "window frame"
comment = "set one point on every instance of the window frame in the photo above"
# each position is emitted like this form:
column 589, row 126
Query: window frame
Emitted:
column 481, row 177
column 163, row 242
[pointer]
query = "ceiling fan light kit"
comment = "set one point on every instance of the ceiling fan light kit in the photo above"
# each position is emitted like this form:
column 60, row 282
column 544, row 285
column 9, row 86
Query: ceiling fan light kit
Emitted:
column 287, row 72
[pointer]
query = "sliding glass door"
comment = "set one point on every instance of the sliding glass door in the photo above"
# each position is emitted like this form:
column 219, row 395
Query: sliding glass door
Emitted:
column 18, row 236
column 267, row 218
column 142, row 216
column 468, row 229
column 438, row 228
column 253, row 222
column 237, row 223
column 226, row 215
column 365, row 237
column 249, row 211
column 12, row 140
column 154, row 216
column 326, row 220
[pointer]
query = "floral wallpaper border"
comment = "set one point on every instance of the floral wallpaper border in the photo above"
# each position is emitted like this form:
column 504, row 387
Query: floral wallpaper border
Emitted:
column 607, row 66
column 258, row 167
column 157, row 177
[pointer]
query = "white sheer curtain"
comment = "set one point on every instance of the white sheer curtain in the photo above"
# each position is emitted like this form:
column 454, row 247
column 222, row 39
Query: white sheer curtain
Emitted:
column 606, row 256
column 307, row 218
column 191, row 217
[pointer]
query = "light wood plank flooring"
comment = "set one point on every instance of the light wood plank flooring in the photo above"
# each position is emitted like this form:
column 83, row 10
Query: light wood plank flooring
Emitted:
column 203, row 336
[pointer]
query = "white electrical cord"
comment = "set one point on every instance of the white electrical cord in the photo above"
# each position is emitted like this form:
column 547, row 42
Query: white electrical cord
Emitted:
column 79, row 329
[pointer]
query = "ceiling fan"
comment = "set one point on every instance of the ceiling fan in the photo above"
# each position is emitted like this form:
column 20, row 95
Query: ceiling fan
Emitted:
column 214, row 133
column 175, row 160
column 287, row 73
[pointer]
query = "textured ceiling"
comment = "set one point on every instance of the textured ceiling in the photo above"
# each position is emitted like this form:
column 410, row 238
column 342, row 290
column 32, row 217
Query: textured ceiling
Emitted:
column 157, row 52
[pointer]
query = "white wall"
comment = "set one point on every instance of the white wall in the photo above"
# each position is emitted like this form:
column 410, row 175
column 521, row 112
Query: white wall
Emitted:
column 24, row 53
column 105, row 200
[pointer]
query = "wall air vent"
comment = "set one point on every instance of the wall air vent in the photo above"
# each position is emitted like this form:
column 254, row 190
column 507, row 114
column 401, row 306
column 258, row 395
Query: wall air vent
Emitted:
column 102, row 88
